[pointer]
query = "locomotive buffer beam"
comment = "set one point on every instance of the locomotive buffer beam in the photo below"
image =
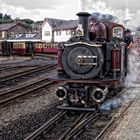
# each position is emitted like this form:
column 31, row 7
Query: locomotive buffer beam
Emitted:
column 86, row 60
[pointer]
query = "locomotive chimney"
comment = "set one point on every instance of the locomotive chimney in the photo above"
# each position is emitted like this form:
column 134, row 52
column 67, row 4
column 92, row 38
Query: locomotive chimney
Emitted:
column 83, row 24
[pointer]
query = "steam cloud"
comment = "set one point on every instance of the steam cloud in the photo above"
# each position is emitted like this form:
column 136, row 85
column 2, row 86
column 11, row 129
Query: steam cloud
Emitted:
column 131, row 82
column 126, row 11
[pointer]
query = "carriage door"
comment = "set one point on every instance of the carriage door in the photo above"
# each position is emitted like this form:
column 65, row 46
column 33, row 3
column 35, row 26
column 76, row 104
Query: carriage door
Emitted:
column 30, row 48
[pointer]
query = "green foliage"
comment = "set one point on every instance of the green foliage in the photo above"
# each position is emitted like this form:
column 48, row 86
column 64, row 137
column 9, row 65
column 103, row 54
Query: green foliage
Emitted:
column 1, row 16
column 27, row 21
column 4, row 18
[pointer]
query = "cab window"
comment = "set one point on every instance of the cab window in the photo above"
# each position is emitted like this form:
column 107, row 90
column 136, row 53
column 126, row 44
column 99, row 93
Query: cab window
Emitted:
column 118, row 32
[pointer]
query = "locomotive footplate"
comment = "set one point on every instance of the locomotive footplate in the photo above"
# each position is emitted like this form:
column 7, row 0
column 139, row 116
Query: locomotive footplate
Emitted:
column 64, row 78
column 65, row 107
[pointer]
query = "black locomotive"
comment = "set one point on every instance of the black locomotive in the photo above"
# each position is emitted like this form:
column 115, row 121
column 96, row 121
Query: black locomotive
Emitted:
column 92, row 64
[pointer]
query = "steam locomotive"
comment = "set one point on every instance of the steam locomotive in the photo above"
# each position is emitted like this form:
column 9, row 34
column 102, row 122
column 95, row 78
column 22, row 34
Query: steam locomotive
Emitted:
column 91, row 65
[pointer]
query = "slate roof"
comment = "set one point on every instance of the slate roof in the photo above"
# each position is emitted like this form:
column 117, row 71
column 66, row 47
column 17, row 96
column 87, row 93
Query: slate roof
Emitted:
column 71, row 24
column 6, row 26
column 25, row 37
column 59, row 24
column 55, row 22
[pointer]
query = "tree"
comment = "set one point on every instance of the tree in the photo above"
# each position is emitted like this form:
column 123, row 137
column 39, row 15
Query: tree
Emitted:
column 28, row 21
column 7, row 17
column 1, row 16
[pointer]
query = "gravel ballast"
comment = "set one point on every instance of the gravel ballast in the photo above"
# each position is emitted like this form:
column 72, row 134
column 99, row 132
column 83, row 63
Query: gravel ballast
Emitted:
column 21, row 118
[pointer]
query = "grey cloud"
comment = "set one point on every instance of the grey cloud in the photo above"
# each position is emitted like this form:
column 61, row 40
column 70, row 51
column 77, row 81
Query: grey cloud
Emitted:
column 134, row 4
column 116, row 4
column 35, row 4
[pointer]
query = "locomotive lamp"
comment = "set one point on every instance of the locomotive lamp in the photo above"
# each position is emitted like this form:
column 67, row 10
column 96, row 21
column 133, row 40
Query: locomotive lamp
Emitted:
column 61, row 93
column 98, row 95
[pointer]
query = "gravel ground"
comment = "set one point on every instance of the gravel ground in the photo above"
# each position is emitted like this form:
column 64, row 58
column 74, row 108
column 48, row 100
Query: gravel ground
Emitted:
column 23, row 62
column 27, row 80
column 14, row 70
column 19, row 119
column 37, row 61
column 6, row 60
column 23, row 117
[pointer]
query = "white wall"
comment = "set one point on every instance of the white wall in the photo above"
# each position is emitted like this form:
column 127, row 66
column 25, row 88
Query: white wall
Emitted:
column 46, row 27
column 62, row 37
column 57, row 37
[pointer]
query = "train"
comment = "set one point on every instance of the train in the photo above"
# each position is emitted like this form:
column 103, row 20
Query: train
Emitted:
column 27, row 47
column 46, row 48
column 91, row 65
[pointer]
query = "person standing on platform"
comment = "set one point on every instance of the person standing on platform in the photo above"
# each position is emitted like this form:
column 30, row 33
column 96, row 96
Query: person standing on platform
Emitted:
column 128, row 39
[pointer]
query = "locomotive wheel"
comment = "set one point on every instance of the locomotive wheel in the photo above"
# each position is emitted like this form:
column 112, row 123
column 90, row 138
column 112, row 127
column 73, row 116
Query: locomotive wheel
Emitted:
column 82, row 61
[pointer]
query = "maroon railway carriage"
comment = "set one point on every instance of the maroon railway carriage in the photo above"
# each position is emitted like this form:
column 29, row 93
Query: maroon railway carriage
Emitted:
column 50, row 48
column 92, row 64
column 47, row 48
column 39, row 47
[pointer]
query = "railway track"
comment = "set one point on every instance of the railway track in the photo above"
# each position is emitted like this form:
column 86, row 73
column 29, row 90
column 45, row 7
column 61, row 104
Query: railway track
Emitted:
column 54, row 56
column 39, row 132
column 79, row 124
column 94, row 125
column 3, row 69
column 116, row 118
column 14, row 63
column 9, row 77
column 75, row 126
column 106, row 122
column 13, row 94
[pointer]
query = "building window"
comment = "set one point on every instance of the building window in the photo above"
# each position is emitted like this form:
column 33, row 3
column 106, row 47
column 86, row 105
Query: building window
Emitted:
column 12, row 34
column 68, row 32
column 58, row 33
column 47, row 33
column 3, row 34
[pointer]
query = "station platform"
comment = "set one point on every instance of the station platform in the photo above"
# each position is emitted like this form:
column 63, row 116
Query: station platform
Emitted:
column 128, row 127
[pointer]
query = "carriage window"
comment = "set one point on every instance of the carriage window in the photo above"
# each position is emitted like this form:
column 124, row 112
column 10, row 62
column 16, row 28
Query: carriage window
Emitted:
column 118, row 32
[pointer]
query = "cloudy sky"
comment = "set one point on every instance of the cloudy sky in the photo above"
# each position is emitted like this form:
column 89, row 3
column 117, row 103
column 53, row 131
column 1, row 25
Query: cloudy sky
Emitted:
column 67, row 9
column 39, row 9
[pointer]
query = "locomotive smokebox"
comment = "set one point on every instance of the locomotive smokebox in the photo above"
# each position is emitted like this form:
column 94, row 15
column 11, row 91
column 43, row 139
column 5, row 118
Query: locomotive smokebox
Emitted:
column 82, row 29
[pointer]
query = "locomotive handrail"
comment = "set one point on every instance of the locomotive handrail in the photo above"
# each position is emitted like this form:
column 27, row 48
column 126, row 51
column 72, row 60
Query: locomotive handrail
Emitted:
column 85, row 43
